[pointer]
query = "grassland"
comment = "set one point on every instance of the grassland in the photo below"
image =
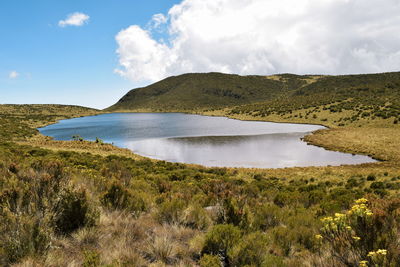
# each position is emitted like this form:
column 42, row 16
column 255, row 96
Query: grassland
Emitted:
column 19, row 122
column 88, row 204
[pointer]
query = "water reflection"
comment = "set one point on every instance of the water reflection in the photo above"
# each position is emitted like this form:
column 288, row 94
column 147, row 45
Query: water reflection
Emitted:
column 209, row 141
column 263, row 151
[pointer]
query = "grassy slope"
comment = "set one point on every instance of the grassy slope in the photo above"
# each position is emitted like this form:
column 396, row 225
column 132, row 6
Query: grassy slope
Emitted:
column 372, row 95
column 21, row 121
column 202, row 90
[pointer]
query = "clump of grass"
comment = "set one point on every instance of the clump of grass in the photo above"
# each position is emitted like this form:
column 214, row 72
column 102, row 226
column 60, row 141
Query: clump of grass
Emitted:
column 161, row 248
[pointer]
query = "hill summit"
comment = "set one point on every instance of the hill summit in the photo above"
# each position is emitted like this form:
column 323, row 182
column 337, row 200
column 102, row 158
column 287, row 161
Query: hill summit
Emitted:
column 200, row 91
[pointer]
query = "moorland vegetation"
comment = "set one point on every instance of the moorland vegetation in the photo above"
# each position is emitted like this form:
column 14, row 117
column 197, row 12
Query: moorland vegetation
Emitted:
column 81, row 203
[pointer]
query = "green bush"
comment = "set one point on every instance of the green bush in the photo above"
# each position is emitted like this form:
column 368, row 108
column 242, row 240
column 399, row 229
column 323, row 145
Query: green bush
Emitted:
column 237, row 214
column 73, row 211
column 119, row 197
column 196, row 217
column 22, row 236
column 220, row 241
column 91, row 258
column 377, row 185
column 210, row 261
column 266, row 216
column 170, row 211
column 250, row 251
column 284, row 239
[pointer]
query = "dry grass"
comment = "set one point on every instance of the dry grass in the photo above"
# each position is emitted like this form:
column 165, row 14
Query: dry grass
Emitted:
column 38, row 115
column 381, row 143
column 122, row 240
column 309, row 79
column 103, row 149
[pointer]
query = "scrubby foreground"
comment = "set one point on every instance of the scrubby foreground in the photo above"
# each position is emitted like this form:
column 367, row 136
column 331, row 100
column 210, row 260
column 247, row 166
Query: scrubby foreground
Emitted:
column 66, row 208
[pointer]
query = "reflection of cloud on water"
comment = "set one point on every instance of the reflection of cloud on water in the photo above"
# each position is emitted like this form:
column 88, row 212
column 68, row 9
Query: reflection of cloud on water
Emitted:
column 211, row 141
column 268, row 151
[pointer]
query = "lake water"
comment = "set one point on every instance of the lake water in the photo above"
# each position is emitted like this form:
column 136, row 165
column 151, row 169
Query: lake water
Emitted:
column 209, row 141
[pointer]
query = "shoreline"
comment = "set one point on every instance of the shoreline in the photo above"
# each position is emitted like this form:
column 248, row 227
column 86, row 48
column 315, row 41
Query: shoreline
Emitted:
column 305, row 138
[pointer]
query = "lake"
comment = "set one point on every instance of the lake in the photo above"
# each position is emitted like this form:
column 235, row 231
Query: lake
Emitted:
column 209, row 141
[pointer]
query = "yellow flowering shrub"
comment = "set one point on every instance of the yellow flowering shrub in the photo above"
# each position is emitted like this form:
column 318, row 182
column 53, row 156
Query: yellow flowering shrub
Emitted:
column 356, row 237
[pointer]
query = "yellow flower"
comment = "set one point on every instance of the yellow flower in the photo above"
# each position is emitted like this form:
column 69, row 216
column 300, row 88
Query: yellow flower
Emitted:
column 362, row 201
column 356, row 238
column 363, row 263
column 318, row 237
column 381, row 251
column 327, row 219
column 371, row 254
column 348, row 227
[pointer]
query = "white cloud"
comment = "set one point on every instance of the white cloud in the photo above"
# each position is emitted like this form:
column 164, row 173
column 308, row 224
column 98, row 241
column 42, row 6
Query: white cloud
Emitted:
column 265, row 37
column 13, row 74
column 157, row 20
column 75, row 19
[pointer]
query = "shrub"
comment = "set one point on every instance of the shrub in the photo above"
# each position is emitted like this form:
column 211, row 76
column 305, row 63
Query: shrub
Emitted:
column 258, row 177
column 315, row 197
column 220, row 241
column 196, row 217
column 286, row 198
column 118, row 197
column 250, row 251
column 353, row 237
column 170, row 211
column 235, row 213
column 210, row 261
column 73, row 211
column 284, row 238
column 99, row 141
column 77, row 138
column 22, row 236
column 377, row 185
column 91, row 258
column 266, row 217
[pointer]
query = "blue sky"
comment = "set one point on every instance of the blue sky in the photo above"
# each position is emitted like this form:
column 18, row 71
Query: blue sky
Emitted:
column 131, row 43
column 72, row 64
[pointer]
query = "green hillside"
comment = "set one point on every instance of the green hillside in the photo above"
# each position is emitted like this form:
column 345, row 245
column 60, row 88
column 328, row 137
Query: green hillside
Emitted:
column 205, row 90
column 368, row 96
column 20, row 121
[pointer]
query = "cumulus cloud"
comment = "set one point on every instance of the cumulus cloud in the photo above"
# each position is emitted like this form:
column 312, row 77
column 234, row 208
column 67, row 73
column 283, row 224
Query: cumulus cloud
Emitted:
column 265, row 37
column 75, row 19
column 13, row 74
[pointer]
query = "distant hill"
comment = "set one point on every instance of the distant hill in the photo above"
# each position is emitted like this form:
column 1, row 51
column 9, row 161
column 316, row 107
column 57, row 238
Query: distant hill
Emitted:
column 374, row 94
column 205, row 90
